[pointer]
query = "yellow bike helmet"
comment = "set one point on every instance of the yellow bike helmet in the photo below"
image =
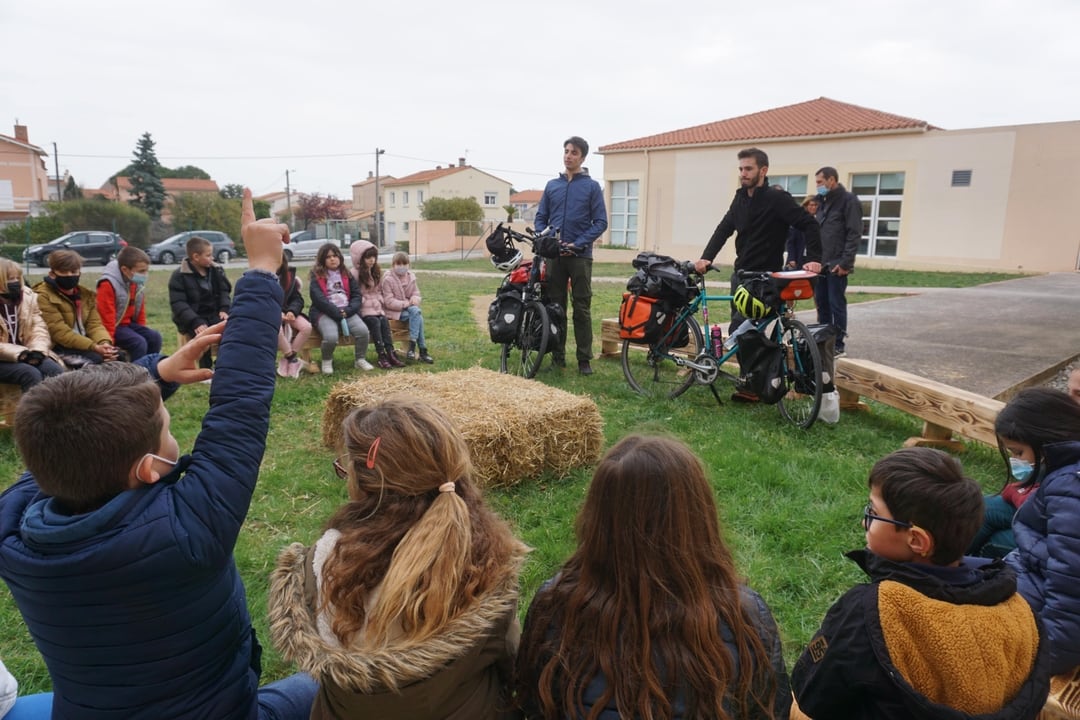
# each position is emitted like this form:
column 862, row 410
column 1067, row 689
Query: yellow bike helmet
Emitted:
column 749, row 305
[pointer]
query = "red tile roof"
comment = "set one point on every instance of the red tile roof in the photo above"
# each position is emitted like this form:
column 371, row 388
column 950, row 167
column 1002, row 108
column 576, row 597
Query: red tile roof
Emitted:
column 813, row 118
column 20, row 143
column 426, row 176
column 527, row 196
column 172, row 185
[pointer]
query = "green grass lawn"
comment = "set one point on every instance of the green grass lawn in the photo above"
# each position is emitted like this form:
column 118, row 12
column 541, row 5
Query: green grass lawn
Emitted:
column 790, row 500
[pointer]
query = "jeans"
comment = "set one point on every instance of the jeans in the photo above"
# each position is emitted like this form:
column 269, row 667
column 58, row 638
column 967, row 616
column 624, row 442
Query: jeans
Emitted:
column 832, row 304
column 138, row 340
column 328, row 328
column 286, row 699
column 415, row 318
column 578, row 271
column 26, row 375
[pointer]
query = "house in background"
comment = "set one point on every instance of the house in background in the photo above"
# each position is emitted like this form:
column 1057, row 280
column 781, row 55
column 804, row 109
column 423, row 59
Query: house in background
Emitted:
column 972, row 199
column 402, row 198
column 23, row 176
column 526, row 202
column 279, row 203
column 119, row 188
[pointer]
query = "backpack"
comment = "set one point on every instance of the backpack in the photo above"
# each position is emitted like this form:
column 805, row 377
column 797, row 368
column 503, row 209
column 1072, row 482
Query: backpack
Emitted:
column 661, row 276
column 504, row 314
column 762, row 363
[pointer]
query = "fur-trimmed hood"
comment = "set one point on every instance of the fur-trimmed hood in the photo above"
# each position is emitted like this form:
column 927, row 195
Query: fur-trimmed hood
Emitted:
column 483, row 639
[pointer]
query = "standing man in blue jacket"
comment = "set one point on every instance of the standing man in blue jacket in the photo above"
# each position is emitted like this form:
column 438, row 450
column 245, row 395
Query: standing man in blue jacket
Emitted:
column 574, row 203
column 840, row 216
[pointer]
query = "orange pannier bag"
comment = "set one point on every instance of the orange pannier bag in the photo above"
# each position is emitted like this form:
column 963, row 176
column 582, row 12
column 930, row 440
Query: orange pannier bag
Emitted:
column 641, row 318
column 794, row 284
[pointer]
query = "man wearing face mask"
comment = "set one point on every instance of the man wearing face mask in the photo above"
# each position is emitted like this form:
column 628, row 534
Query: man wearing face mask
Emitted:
column 121, row 300
column 70, row 312
column 840, row 216
column 25, row 355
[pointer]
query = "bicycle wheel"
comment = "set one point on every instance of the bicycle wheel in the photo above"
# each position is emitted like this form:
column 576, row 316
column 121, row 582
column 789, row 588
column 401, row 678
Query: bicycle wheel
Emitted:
column 524, row 355
column 652, row 370
column 802, row 375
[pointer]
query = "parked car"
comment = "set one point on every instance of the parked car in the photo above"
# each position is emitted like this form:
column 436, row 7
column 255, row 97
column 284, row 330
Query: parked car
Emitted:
column 303, row 245
column 93, row 245
column 172, row 249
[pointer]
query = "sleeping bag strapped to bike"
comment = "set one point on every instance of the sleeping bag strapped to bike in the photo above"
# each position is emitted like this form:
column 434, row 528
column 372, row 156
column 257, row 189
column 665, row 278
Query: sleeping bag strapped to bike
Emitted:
column 762, row 363
column 660, row 276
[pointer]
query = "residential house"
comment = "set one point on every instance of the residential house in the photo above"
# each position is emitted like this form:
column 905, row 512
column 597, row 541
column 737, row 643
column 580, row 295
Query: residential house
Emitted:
column 971, row 199
column 363, row 193
column 23, row 175
column 526, row 202
column 279, row 203
column 402, row 198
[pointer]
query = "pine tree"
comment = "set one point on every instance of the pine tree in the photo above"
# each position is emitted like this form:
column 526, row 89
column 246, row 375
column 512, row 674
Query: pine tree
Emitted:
column 72, row 191
column 146, row 183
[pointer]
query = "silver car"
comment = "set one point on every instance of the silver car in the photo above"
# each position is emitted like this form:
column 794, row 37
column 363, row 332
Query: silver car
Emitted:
column 304, row 246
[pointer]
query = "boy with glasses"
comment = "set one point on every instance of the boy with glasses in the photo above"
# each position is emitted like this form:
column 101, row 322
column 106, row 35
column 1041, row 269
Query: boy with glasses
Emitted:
column 934, row 634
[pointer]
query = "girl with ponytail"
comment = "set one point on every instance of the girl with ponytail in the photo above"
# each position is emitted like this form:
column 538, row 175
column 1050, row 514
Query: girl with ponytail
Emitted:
column 407, row 605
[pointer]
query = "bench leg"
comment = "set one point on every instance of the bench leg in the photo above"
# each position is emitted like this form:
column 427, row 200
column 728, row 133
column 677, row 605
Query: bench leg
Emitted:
column 935, row 436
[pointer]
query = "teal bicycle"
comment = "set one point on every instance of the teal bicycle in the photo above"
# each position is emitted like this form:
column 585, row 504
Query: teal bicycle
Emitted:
column 685, row 353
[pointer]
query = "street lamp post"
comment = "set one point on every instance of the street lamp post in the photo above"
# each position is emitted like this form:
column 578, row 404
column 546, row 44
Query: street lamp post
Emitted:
column 288, row 199
column 378, row 199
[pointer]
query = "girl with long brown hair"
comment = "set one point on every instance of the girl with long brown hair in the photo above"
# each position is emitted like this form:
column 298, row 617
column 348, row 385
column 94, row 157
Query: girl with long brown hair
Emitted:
column 648, row 618
column 407, row 605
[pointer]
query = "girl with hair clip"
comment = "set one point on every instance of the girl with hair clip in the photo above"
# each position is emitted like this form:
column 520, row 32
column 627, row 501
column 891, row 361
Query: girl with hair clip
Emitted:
column 365, row 257
column 406, row 607
column 1039, row 430
column 648, row 618
column 293, row 322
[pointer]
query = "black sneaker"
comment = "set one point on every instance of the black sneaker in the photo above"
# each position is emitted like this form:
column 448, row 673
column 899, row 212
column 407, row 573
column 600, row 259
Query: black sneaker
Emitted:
column 584, row 368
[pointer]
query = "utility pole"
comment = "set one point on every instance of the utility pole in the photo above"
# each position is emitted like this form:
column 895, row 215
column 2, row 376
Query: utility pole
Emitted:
column 288, row 200
column 378, row 213
column 56, row 164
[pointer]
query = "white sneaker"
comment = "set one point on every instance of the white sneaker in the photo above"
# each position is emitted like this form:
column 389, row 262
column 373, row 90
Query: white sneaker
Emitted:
column 327, row 367
column 362, row 364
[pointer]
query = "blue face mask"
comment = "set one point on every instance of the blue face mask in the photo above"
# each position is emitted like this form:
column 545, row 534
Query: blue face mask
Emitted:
column 1020, row 469
column 139, row 279
column 822, row 190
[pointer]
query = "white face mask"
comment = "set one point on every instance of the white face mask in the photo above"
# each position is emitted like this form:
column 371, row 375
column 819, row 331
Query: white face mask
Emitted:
column 401, row 269
column 167, row 461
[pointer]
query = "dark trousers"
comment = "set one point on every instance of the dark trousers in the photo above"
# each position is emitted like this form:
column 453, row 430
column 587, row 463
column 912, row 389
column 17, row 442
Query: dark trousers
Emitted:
column 578, row 271
column 26, row 375
column 137, row 340
column 832, row 304
column 379, row 328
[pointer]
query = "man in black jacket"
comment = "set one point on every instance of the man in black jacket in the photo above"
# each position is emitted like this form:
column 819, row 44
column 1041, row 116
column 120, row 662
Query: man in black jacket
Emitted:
column 761, row 215
column 840, row 216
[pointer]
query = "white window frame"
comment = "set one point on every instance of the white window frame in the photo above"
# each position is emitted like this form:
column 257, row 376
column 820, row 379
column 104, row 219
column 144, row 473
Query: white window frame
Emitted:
column 874, row 216
column 393, row 199
column 404, row 198
column 623, row 228
column 491, row 198
column 419, row 197
column 785, row 181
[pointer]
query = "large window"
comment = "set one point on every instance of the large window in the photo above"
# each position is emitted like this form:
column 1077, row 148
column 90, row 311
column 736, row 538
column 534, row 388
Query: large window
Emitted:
column 622, row 225
column 794, row 184
column 881, row 195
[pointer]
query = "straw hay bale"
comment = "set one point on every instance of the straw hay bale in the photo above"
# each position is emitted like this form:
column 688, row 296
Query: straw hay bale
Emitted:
column 515, row 428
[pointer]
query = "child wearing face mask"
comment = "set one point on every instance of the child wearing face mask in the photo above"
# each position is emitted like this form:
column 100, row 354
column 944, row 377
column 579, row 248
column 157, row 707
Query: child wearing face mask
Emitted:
column 71, row 314
column 121, row 300
column 401, row 301
column 26, row 357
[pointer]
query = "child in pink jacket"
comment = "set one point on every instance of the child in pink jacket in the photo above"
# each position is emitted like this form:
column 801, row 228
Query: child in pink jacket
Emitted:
column 401, row 301
column 365, row 257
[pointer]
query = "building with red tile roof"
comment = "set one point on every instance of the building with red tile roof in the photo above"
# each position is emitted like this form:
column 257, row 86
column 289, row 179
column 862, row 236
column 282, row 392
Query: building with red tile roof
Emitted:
column 971, row 199
column 24, row 179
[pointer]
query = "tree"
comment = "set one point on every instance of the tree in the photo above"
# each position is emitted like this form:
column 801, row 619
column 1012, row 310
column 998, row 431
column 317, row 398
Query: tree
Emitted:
column 315, row 208
column 511, row 213
column 262, row 209
column 145, row 178
column 202, row 211
column 132, row 223
column 186, row 171
column 232, row 191
column 71, row 190
column 459, row 209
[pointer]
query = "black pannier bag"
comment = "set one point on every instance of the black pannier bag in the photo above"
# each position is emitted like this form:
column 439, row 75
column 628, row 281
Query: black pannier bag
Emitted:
column 762, row 363
column 557, row 322
column 825, row 337
column 661, row 276
column 504, row 314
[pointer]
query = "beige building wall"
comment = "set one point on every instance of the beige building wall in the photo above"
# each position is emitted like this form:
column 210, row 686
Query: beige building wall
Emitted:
column 1013, row 216
column 25, row 171
column 474, row 183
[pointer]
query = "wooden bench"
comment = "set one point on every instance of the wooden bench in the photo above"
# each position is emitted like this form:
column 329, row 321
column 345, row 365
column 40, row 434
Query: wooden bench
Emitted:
column 9, row 400
column 399, row 331
column 944, row 409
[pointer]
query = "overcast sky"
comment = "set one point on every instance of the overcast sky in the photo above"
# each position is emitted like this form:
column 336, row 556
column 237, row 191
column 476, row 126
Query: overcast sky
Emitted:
column 248, row 90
